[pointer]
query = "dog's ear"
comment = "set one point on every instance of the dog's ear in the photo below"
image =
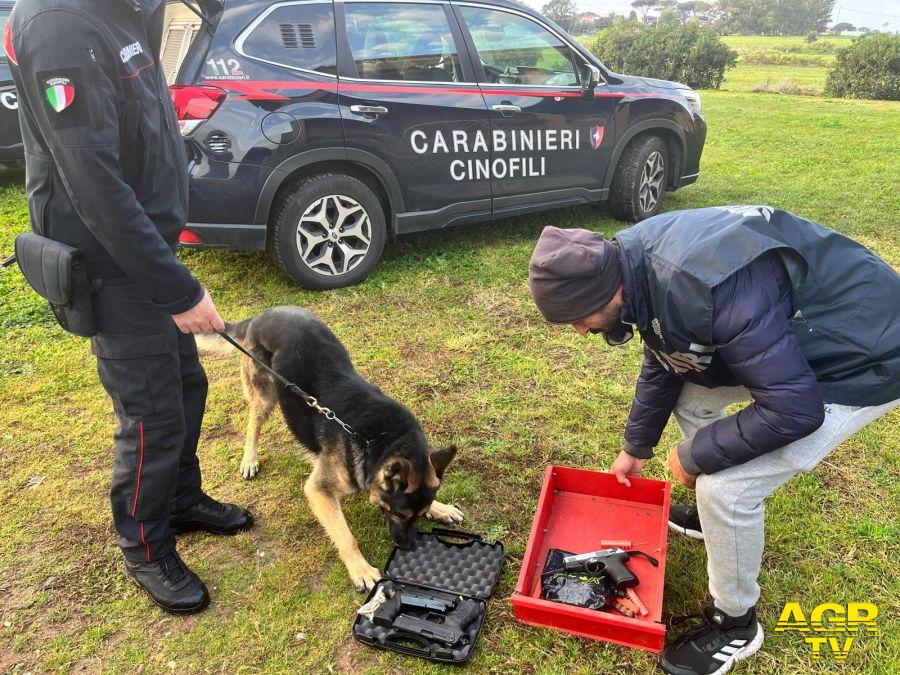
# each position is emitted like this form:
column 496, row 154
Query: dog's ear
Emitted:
column 395, row 474
column 441, row 459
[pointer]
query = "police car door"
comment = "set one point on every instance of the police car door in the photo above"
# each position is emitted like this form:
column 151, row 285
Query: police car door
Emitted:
column 409, row 99
column 549, row 144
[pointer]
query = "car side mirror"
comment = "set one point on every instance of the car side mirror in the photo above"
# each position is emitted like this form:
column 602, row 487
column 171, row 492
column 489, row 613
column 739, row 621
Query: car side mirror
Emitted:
column 590, row 78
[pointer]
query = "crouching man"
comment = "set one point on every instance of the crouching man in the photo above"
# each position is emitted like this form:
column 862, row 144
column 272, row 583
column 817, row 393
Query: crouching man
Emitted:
column 733, row 304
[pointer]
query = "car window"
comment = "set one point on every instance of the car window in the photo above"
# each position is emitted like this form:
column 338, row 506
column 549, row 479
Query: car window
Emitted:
column 517, row 50
column 297, row 36
column 402, row 41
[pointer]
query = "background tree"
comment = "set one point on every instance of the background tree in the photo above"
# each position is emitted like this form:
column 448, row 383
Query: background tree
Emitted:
column 773, row 17
column 842, row 26
column 643, row 6
column 606, row 21
column 799, row 17
column 693, row 9
column 687, row 8
column 668, row 12
column 561, row 12
column 749, row 17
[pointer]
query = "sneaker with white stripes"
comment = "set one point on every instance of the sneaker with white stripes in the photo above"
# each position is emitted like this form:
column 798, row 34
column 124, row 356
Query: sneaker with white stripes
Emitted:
column 686, row 520
column 715, row 645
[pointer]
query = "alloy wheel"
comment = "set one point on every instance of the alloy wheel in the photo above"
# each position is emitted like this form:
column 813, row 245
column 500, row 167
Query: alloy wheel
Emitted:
column 652, row 178
column 333, row 235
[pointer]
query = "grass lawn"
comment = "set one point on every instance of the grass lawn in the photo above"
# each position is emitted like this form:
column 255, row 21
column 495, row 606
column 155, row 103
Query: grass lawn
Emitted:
column 746, row 77
column 446, row 325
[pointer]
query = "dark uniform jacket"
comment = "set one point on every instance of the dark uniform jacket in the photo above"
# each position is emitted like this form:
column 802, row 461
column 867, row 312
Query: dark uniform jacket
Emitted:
column 754, row 296
column 106, row 167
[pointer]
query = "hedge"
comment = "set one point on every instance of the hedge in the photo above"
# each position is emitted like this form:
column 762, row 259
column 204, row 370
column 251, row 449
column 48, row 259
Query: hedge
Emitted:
column 688, row 53
column 868, row 68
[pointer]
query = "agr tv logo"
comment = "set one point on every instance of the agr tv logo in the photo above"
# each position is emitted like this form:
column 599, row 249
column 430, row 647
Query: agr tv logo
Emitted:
column 829, row 621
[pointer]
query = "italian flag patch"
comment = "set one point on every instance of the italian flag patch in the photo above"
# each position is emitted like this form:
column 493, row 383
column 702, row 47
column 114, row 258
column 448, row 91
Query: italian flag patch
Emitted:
column 60, row 92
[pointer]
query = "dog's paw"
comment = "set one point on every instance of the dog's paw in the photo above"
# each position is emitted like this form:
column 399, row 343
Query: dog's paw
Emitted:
column 363, row 575
column 445, row 513
column 249, row 469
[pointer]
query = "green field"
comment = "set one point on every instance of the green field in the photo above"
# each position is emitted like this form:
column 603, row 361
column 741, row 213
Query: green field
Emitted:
column 777, row 45
column 446, row 325
column 747, row 78
column 778, row 61
column 781, row 60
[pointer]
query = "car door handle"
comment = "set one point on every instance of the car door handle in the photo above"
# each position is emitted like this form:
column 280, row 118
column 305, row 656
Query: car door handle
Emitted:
column 368, row 110
column 506, row 108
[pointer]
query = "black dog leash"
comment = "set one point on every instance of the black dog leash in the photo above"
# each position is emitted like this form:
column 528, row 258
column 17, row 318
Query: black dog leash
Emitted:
column 309, row 400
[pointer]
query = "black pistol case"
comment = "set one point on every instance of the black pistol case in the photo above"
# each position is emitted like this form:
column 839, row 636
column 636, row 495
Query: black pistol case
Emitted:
column 447, row 564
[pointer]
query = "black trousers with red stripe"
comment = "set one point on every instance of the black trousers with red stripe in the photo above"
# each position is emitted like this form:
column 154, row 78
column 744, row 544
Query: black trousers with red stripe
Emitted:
column 152, row 373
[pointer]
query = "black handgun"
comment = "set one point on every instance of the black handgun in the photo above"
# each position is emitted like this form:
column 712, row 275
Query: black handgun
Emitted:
column 430, row 630
column 448, row 629
column 396, row 600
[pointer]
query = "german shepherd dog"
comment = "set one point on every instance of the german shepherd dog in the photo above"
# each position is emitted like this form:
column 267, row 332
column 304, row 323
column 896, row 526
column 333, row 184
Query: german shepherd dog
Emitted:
column 388, row 458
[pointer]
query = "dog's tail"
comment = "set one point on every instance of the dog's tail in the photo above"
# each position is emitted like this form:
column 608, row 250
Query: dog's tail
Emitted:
column 212, row 343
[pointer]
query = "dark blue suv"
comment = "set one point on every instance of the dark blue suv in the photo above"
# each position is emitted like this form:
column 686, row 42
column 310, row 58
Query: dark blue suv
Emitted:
column 11, row 151
column 319, row 129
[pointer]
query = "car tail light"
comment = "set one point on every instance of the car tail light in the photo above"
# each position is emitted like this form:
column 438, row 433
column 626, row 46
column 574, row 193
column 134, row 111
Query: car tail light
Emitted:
column 188, row 237
column 194, row 105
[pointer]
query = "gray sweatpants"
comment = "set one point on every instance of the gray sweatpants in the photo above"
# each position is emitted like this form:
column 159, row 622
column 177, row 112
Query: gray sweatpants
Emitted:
column 730, row 502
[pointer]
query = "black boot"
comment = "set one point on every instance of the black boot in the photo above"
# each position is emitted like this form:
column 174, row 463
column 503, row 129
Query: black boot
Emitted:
column 715, row 645
column 170, row 584
column 209, row 515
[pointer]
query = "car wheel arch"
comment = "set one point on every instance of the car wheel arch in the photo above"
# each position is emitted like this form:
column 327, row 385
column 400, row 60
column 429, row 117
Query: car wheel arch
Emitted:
column 365, row 167
column 668, row 130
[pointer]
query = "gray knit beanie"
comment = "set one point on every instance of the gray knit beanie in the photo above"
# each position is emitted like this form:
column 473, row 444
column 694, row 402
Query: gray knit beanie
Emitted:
column 573, row 273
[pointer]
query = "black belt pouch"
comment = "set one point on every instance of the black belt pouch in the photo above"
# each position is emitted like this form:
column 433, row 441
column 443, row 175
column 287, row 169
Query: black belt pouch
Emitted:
column 57, row 273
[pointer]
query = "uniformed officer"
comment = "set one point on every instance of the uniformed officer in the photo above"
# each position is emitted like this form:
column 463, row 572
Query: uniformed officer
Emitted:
column 106, row 172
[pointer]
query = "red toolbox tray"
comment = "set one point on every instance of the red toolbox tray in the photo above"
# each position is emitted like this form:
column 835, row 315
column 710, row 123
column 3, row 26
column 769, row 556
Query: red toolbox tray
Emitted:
column 577, row 509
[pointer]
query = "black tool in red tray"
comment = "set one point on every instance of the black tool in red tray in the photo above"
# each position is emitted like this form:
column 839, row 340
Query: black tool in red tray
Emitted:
column 432, row 602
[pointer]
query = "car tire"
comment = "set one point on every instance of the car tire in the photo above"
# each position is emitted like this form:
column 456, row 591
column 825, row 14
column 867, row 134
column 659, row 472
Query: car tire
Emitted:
column 639, row 184
column 328, row 231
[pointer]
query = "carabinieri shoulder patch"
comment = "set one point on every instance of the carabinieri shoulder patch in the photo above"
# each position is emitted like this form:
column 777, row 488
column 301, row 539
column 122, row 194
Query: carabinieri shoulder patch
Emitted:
column 59, row 92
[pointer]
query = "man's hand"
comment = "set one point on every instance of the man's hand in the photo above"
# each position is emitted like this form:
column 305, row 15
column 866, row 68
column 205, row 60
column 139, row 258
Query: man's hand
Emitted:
column 689, row 480
column 201, row 318
column 625, row 465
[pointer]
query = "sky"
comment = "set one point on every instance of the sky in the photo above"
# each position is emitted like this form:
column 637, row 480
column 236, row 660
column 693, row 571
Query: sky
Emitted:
column 870, row 13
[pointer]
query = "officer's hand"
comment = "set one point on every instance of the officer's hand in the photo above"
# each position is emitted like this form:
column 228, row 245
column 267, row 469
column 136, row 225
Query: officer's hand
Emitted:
column 689, row 480
column 201, row 318
column 625, row 465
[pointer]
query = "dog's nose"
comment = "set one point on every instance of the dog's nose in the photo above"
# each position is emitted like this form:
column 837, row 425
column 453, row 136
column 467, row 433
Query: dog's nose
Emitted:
column 403, row 539
column 403, row 536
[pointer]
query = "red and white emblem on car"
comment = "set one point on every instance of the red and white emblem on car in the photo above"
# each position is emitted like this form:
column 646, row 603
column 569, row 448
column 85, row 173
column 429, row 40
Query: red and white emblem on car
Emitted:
column 597, row 136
